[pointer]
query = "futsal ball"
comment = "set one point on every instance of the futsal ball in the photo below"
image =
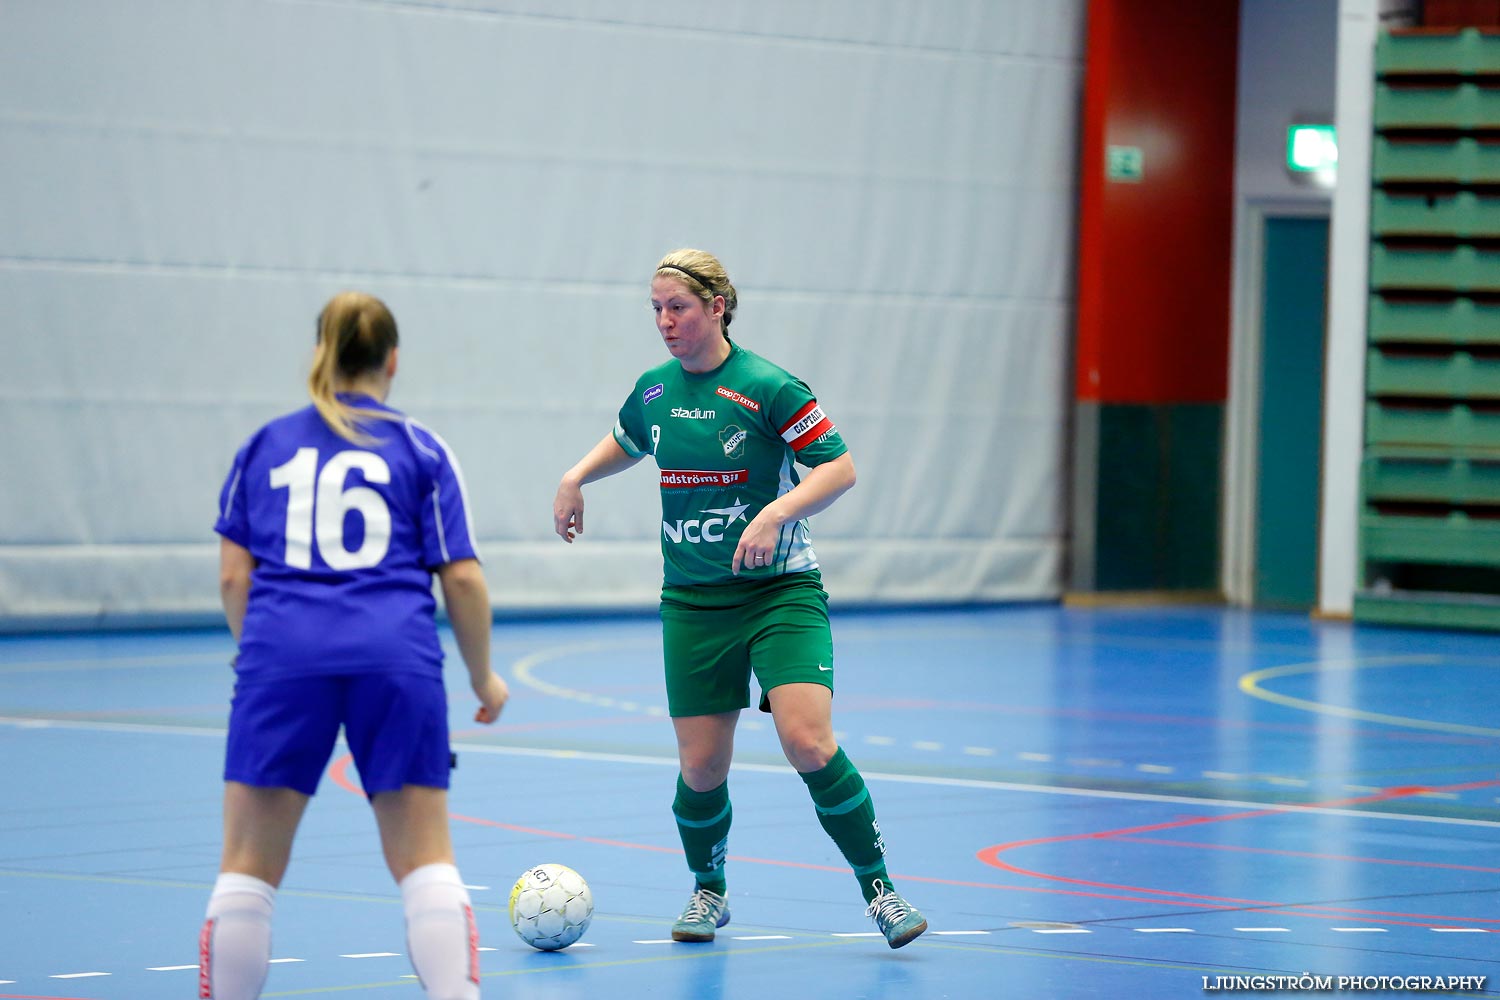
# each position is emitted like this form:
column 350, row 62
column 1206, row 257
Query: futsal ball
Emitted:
column 551, row 906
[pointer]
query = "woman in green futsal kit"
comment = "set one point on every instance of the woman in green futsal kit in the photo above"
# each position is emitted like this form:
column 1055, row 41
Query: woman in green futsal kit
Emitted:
column 742, row 592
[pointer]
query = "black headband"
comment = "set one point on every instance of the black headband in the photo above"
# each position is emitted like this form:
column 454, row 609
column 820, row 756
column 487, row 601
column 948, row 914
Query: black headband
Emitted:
column 691, row 274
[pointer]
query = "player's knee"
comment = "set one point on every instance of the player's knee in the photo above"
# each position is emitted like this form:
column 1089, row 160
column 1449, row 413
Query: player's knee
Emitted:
column 704, row 775
column 810, row 751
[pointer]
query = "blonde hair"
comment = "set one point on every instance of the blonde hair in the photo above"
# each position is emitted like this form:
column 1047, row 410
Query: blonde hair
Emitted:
column 356, row 334
column 704, row 276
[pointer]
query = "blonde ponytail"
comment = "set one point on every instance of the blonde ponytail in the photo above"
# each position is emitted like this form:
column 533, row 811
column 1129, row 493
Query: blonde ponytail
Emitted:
column 356, row 334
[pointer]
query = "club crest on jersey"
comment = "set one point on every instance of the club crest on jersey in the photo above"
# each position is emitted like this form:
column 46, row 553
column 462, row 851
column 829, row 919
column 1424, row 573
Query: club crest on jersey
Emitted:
column 733, row 396
column 652, row 393
column 733, row 440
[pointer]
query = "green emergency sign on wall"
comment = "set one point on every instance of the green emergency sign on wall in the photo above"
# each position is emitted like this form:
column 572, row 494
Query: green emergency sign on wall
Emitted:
column 1311, row 148
column 1124, row 163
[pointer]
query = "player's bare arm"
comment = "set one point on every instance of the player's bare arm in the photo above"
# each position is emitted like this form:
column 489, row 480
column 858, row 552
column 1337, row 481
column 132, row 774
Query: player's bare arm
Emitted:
column 605, row 459
column 235, row 564
column 822, row 485
column 467, row 599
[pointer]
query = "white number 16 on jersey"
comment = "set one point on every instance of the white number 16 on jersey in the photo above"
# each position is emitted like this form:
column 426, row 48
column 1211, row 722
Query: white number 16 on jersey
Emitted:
column 323, row 512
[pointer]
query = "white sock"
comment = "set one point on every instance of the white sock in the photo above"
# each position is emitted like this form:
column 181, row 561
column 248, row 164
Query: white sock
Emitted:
column 441, row 936
column 234, row 947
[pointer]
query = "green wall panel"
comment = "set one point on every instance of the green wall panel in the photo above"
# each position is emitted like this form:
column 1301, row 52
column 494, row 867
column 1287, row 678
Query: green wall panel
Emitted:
column 1158, row 493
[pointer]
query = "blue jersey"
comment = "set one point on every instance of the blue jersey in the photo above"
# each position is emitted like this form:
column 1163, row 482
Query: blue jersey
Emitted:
column 345, row 540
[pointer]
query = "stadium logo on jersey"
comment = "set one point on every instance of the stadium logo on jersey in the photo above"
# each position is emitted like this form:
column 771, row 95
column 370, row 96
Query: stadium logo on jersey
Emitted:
column 652, row 393
column 706, row 529
column 806, row 426
column 733, row 440
column 691, row 479
column 695, row 413
column 744, row 401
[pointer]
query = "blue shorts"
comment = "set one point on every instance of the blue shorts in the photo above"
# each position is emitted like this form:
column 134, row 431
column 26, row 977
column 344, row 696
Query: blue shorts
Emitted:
column 282, row 732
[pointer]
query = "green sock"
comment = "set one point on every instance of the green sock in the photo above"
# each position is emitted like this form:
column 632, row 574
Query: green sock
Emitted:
column 847, row 813
column 703, row 823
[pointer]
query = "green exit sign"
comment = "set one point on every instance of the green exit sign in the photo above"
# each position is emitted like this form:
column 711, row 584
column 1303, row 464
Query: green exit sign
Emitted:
column 1312, row 149
column 1124, row 163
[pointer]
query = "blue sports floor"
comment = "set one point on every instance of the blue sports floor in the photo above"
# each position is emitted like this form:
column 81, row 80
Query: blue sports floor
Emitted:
column 1085, row 803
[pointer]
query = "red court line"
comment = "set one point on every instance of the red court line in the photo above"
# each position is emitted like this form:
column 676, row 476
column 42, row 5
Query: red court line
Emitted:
column 1308, row 854
column 991, row 856
column 503, row 729
column 338, row 772
column 872, row 703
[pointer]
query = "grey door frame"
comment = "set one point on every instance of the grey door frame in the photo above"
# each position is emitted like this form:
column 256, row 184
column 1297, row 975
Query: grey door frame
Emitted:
column 1242, row 431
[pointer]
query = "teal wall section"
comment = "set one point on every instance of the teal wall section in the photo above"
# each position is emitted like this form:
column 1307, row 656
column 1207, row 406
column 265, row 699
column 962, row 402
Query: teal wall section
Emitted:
column 1290, row 414
column 1157, row 508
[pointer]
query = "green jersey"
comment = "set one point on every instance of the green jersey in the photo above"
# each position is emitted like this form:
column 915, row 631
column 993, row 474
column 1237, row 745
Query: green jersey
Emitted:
column 726, row 442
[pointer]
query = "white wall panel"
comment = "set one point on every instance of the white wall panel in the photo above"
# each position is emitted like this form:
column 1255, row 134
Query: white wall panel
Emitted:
column 184, row 182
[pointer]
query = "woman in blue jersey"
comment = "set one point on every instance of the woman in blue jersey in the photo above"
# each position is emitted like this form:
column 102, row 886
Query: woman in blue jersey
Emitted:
column 742, row 592
column 333, row 521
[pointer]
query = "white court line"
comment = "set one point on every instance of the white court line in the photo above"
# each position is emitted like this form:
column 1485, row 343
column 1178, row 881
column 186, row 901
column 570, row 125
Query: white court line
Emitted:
column 910, row 779
column 122, row 662
column 1002, row 786
column 112, row 727
column 286, row 961
column 845, row 934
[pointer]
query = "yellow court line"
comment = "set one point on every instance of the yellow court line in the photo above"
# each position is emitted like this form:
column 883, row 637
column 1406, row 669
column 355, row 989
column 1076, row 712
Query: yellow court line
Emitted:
column 522, row 669
column 1250, row 684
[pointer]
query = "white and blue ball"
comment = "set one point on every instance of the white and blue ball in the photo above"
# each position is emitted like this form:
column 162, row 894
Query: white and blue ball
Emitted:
column 551, row 906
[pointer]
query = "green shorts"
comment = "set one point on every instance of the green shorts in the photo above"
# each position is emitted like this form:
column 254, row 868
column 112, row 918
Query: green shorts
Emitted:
column 715, row 637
